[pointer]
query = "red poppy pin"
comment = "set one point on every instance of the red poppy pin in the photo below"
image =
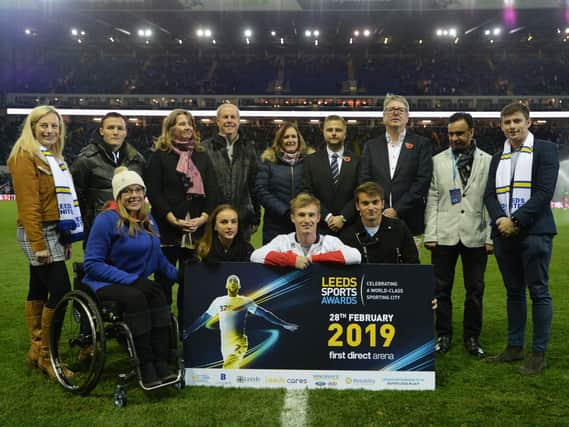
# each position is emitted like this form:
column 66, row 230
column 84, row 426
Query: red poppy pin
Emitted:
column 346, row 159
column 409, row 146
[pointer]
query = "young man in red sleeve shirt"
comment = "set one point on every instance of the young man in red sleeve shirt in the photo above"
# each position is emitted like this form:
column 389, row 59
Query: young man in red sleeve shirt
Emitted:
column 305, row 246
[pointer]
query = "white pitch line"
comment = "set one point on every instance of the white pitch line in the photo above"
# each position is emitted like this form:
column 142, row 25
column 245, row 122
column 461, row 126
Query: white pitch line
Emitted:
column 294, row 409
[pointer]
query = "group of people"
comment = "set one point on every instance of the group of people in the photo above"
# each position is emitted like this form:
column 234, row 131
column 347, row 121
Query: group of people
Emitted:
column 201, row 201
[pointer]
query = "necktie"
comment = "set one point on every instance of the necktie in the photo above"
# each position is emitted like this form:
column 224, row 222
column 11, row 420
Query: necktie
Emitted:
column 334, row 168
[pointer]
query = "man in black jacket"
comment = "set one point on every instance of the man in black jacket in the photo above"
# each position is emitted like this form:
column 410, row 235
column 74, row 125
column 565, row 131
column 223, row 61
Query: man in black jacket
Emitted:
column 93, row 168
column 379, row 239
column 235, row 164
column 331, row 174
column 401, row 163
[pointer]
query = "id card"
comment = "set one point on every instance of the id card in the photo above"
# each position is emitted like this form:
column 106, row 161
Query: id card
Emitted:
column 455, row 195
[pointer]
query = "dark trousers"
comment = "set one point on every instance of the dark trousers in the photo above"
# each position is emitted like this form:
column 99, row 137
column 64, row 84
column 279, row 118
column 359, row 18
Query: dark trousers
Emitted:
column 49, row 282
column 474, row 261
column 524, row 263
column 176, row 255
column 146, row 314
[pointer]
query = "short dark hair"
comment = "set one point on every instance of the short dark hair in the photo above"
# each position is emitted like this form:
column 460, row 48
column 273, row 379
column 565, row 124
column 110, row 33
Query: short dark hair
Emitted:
column 515, row 107
column 370, row 188
column 114, row 115
column 335, row 117
column 456, row 117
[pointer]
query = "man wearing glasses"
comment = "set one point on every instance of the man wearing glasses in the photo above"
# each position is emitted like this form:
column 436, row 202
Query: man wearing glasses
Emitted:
column 400, row 162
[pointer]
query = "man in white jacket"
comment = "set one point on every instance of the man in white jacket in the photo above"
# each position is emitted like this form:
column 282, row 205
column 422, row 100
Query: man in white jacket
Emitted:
column 457, row 225
column 305, row 246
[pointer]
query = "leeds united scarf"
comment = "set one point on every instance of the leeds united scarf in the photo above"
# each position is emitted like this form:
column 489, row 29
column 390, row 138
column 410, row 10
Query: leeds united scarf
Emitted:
column 513, row 191
column 70, row 223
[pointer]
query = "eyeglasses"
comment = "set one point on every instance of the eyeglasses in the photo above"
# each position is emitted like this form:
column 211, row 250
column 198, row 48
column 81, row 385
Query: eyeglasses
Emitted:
column 392, row 110
column 136, row 190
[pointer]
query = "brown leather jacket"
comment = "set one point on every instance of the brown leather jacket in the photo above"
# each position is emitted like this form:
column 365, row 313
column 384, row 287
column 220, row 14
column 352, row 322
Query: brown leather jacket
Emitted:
column 35, row 196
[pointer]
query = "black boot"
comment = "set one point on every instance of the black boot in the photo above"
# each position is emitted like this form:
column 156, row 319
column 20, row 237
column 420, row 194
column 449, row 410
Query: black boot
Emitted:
column 160, row 339
column 148, row 375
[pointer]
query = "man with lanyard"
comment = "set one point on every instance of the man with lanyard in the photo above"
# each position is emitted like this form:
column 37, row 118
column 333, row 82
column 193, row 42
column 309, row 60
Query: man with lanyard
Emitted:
column 456, row 225
column 305, row 246
column 520, row 186
column 400, row 162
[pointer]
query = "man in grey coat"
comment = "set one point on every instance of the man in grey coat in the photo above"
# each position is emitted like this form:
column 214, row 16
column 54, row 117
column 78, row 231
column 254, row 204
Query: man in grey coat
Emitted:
column 456, row 224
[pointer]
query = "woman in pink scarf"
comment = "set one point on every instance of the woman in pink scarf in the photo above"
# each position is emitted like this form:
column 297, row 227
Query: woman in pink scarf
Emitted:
column 181, row 189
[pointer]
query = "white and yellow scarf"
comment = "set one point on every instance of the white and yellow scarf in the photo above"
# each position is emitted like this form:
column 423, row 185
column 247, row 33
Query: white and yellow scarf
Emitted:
column 513, row 191
column 70, row 223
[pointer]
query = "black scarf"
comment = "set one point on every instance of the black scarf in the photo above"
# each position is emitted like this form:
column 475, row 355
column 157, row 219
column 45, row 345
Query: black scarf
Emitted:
column 464, row 162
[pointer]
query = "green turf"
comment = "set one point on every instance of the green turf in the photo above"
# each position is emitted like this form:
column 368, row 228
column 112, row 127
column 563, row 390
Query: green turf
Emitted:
column 469, row 392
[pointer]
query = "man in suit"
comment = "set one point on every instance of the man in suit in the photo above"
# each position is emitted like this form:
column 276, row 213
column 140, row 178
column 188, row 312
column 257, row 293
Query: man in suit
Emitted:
column 456, row 224
column 520, row 186
column 331, row 175
column 400, row 162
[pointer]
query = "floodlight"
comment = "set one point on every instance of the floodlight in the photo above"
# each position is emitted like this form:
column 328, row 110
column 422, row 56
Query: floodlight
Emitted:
column 148, row 32
column 273, row 33
column 439, row 32
column 82, row 33
column 356, row 33
column 316, row 33
column 316, row 42
column 567, row 30
column 496, row 31
column 248, row 32
column 351, row 41
column 307, row 33
column 141, row 32
column 74, row 32
column 367, row 33
column 452, row 32
column 486, row 32
column 199, row 32
column 282, row 40
column 207, row 32
column 28, row 31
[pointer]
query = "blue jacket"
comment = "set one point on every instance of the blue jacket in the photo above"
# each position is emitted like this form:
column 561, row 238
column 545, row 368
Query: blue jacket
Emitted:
column 535, row 215
column 113, row 257
column 276, row 184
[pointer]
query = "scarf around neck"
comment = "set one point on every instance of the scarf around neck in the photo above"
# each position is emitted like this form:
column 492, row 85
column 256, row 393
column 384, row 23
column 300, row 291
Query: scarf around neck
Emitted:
column 186, row 166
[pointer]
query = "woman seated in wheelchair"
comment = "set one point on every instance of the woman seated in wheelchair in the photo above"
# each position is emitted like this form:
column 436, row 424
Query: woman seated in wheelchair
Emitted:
column 123, row 250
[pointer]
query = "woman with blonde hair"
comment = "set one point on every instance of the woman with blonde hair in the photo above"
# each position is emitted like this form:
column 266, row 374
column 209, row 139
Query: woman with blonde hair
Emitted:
column 122, row 251
column 182, row 190
column 48, row 222
column 279, row 179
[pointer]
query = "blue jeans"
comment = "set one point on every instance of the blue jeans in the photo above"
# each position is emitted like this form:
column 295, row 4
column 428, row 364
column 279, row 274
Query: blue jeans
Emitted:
column 524, row 262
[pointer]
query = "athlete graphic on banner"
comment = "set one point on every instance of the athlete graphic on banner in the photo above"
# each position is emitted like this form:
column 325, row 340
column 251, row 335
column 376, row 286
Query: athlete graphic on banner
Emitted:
column 231, row 310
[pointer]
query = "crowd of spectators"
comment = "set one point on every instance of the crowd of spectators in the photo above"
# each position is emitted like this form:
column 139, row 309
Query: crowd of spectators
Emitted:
column 418, row 71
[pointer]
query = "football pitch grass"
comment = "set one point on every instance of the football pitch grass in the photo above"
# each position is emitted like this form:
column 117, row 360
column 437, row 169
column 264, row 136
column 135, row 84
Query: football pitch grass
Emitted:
column 469, row 392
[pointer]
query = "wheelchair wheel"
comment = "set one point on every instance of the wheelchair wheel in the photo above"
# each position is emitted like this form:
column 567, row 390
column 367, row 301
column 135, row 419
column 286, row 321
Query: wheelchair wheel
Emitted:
column 77, row 342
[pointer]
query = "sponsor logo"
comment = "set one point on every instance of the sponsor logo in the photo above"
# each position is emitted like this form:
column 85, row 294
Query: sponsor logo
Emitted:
column 325, row 377
column 320, row 383
column 348, row 380
column 332, row 383
column 242, row 379
column 200, row 378
column 364, row 381
column 296, row 381
column 223, row 376
column 274, row 380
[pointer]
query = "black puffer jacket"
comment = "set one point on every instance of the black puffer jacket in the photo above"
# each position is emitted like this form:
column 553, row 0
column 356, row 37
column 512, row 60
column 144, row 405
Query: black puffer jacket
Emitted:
column 236, row 180
column 93, row 171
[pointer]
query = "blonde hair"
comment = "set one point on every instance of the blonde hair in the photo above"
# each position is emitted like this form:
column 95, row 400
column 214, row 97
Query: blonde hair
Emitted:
column 27, row 142
column 164, row 141
column 270, row 154
column 302, row 200
column 135, row 226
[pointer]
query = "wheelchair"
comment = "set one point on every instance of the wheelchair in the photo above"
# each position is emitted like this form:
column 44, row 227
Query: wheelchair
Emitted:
column 81, row 326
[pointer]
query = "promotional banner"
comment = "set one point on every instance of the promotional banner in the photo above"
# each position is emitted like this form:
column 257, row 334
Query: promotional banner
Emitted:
column 366, row 326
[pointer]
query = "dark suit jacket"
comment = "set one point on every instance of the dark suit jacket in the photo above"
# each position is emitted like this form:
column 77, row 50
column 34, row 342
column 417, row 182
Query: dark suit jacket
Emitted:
column 337, row 199
column 407, row 191
column 535, row 216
